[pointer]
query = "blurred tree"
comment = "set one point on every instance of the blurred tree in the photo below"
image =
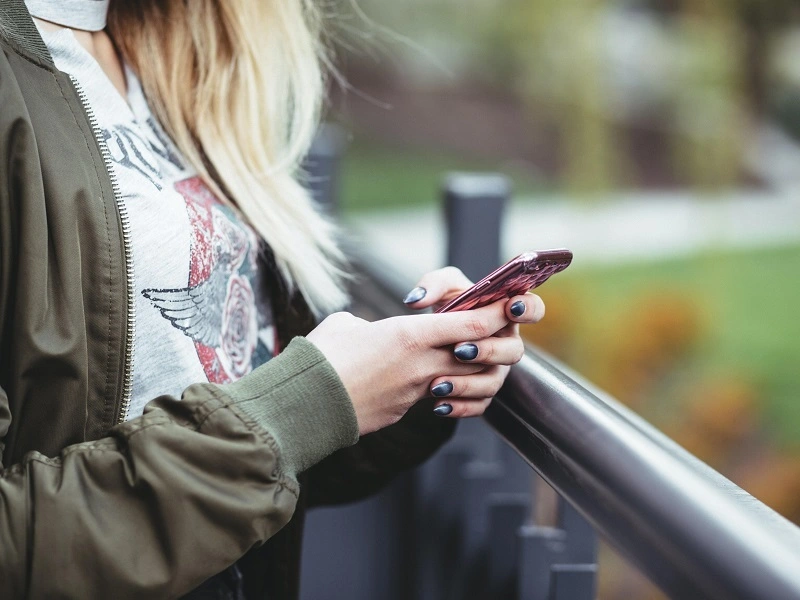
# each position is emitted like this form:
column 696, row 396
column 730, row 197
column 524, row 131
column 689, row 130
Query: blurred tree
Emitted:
column 694, row 75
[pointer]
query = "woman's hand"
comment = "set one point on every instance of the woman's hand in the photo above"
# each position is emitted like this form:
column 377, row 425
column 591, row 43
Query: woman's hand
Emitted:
column 470, row 396
column 389, row 365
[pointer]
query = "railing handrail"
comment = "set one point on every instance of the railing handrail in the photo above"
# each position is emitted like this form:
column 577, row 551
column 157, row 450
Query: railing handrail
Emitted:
column 689, row 529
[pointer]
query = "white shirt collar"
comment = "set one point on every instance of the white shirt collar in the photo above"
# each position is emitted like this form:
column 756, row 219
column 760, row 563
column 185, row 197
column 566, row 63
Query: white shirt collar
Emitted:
column 89, row 15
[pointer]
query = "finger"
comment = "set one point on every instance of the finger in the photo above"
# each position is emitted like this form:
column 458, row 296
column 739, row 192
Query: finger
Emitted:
column 491, row 351
column 437, row 286
column 510, row 330
column 464, row 326
column 526, row 308
column 442, row 362
column 472, row 387
column 460, row 409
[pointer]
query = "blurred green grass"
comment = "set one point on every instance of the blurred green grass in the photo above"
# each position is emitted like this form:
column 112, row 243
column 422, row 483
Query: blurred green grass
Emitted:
column 376, row 176
column 748, row 303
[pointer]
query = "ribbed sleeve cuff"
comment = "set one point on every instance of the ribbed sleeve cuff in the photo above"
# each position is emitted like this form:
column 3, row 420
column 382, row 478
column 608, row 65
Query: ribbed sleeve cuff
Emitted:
column 298, row 398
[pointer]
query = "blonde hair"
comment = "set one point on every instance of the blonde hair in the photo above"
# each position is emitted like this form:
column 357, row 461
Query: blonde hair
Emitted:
column 238, row 85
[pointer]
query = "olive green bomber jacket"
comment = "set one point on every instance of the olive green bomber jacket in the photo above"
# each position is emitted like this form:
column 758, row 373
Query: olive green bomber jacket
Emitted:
column 91, row 507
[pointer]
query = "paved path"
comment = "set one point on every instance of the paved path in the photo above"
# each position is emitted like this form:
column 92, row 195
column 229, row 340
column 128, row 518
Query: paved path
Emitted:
column 628, row 228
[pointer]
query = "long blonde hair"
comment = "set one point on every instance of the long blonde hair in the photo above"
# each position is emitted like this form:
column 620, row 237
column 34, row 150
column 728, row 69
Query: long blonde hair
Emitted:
column 238, row 85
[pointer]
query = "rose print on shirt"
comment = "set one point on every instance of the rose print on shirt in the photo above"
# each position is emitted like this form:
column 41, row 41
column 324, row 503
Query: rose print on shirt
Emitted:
column 218, row 308
column 239, row 331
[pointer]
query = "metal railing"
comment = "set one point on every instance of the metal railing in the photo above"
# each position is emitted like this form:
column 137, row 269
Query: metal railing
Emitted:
column 461, row 527
column 689, row 529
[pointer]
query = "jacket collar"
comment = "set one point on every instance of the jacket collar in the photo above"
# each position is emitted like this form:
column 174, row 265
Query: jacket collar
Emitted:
column 17, row 27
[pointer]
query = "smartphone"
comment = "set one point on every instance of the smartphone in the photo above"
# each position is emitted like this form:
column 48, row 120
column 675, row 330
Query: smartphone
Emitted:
column 527, row 271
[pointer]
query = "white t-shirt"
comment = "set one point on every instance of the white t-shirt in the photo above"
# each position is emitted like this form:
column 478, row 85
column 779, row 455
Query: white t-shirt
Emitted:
column 202, row 309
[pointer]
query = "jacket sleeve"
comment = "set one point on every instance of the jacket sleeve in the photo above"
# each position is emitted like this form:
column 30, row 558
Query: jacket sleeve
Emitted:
column 358, row 471
column 176, row 495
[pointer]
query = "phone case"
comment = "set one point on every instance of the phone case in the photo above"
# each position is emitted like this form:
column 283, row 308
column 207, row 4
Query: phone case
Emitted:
column 527, row 271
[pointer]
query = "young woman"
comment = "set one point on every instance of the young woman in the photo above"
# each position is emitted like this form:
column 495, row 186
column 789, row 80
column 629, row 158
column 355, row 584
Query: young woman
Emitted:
column 156, row 253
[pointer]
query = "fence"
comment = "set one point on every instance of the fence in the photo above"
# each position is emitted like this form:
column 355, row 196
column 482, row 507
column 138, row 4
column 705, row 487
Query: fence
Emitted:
column 463, row 526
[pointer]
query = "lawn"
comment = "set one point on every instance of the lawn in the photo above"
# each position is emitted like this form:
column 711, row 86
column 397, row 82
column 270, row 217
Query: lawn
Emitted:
column 747, row 302
column 376, row 176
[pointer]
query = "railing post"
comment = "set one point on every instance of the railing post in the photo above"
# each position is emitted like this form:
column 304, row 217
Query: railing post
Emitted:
column 582, row 546
column 474, row 207
column 495, row 495
column 572, row 582
column 506, row 512
column 439, row 530
column 474, row 204
column 321, row 166
column 540, row 548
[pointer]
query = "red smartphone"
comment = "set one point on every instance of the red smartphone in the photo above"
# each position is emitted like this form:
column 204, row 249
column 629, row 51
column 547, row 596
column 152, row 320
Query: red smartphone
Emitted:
column 527, row 271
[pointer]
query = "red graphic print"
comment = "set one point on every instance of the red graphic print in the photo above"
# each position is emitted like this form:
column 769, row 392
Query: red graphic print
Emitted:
column 218, row 309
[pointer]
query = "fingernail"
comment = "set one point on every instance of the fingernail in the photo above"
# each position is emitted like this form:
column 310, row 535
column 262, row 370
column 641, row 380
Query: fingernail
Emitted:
column 518, row 308
column 466, row 352
column 415, row 295
column 442, row 389
column 443, row 410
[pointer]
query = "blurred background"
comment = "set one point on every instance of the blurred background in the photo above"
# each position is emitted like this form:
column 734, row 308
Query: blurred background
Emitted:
column 660, row 141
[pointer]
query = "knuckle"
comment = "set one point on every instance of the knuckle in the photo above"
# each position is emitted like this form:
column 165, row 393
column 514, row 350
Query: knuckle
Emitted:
column 497, row 383
column 438, row 334
column 340, row 317
column 454, row 277
column 407, row 338
column 519, row 351
column 461, row 389
column 460, row 410
column 417, row 374
column 538, row 312
column 452, row 272
column 477, row 327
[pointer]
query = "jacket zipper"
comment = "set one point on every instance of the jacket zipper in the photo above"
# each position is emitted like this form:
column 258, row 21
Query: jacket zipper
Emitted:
column 127, row 378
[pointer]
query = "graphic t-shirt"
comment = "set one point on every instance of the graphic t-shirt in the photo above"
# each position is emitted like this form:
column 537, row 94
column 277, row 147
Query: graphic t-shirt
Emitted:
column 202, row 310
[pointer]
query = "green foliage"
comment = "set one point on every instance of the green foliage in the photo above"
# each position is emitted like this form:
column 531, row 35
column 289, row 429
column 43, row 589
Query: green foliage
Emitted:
column 375, row 176
column 748, row 301
column 564, row 59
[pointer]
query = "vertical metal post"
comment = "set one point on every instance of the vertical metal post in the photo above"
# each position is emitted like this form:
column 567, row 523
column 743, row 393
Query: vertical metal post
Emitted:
column 474, row 204
column 321, row 167
column 481, row 480
column 540, row 547
column 474, row 207
column 440, row 488
column 582, row 538
column 558, row 563
column 573, row 582
column 507, row 512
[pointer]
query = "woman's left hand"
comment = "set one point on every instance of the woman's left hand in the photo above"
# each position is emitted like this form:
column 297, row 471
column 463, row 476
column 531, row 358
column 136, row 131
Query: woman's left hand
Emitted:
column 492, row 357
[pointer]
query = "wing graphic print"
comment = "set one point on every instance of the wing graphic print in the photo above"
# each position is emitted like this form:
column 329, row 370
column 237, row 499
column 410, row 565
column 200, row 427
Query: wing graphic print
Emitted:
column 195, row 310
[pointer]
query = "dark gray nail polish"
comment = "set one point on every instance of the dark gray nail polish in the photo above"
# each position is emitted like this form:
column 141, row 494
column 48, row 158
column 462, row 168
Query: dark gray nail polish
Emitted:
column 442, row 389
column 443, row 410
column 518, row 308
column 415, row 295
column 466, row 352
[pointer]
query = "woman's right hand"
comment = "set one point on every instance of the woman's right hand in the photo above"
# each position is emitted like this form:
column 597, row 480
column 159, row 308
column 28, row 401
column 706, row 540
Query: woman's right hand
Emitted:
column 388, row 365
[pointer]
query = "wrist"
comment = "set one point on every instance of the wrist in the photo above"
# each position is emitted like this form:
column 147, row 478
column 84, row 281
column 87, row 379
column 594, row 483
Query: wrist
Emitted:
column 299, row 399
